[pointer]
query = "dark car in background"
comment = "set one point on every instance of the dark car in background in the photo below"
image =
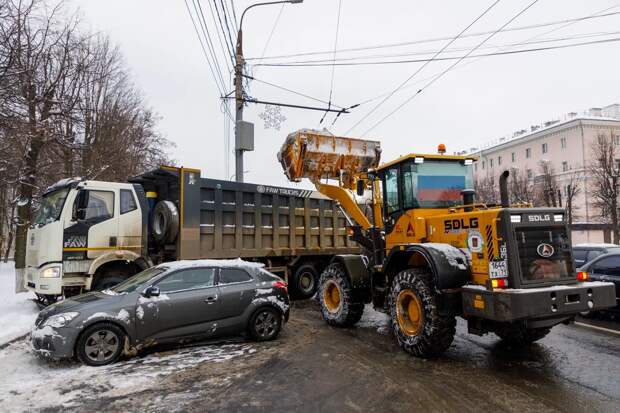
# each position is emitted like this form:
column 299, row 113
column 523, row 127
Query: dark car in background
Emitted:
column 605, row 267
column 584, row 253
column 169, row 303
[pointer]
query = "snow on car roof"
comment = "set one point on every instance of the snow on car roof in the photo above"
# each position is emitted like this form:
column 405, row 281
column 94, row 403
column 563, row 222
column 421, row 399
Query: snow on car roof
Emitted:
column 239, row 263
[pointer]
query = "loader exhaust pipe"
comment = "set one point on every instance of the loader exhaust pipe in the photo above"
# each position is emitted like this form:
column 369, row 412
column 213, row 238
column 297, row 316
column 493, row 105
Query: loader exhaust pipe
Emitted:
column 503, row 189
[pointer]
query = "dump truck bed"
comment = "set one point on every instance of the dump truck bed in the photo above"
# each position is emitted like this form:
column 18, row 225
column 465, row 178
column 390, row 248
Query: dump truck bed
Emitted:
column 224, row 219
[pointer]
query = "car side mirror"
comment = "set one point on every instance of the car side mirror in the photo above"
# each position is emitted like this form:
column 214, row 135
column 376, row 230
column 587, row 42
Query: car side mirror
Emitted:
column 80, row 205
column 151, row 291
column 360, row 187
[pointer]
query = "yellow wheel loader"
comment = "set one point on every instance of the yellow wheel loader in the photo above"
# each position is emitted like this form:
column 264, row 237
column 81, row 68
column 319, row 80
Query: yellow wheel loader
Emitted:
column 431, row 253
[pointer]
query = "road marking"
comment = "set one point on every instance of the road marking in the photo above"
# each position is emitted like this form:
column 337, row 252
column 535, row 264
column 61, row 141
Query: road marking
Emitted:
column 607, row 330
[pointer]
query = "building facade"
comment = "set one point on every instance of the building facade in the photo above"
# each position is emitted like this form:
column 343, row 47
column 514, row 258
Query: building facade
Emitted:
column 565, row 146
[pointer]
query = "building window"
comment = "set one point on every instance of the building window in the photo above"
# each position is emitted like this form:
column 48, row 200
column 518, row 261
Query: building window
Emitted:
column 529, row 174
column 616, row 139
column 564, row 166
column 544, row 148
column 483, row 164
column 528, row 152
column 514, row 157
column 499, row 160
column 491, row 163
column 563, row 143
column 476, row 167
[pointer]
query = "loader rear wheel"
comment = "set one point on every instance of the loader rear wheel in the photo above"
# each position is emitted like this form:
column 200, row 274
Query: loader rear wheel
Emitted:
column 417, row 325
column 521, row 336
column 339, row 305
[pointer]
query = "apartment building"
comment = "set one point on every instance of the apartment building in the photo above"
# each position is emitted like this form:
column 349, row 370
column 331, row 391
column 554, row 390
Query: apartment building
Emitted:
column 566, row 145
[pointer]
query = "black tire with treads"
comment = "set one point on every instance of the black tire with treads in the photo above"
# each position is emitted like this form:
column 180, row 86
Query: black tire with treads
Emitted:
column 437, row 331
column 352, row 308
column 304, row 282
column 165, row 222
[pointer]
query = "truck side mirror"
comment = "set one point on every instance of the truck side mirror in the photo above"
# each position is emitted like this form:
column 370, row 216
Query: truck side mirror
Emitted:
column 360, row 187
column 80, row 205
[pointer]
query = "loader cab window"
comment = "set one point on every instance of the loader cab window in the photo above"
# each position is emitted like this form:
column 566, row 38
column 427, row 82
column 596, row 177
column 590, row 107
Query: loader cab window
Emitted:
column 390, row 189
column 428, row 184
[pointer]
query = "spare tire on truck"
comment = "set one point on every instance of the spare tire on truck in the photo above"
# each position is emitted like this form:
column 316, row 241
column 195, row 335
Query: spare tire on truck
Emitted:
column 165, row 222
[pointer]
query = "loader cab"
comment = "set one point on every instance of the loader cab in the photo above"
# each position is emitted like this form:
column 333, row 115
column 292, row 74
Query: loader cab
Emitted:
column 427, row 184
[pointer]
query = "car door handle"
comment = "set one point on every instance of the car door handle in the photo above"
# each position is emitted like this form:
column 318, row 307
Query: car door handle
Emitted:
column 211, row 299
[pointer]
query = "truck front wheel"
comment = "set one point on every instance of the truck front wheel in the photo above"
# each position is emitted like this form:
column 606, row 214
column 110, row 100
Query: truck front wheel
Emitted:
column 339, row 305
column 521, row 336
column 417, row 325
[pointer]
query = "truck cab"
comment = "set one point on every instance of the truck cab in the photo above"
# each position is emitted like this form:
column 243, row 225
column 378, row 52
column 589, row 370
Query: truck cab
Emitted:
column 87, row 234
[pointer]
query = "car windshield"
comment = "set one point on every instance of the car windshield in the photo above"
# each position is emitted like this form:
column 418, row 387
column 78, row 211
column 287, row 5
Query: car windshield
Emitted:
column 51, row 207
column 138, row 280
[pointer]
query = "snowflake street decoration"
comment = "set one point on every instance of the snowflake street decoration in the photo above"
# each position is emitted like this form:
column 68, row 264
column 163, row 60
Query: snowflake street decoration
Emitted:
column 272, row 117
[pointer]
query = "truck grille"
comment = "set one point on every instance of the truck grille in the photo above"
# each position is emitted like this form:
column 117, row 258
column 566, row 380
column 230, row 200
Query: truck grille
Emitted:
column 544, row 254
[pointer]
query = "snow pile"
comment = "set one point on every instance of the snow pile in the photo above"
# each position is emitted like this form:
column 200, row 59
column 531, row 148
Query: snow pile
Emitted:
column 374, row 319
column 17, row 311
column 31, row 383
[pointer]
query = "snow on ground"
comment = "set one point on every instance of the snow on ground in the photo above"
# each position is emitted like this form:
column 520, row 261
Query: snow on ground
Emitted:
column 17, row 311
column 31, row 383
column 374, row 319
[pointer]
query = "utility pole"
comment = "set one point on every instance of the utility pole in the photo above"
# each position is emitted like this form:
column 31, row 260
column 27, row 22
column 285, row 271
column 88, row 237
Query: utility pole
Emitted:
column 244, row 131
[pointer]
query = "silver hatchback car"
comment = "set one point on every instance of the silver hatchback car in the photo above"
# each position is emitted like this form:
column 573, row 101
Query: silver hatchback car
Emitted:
column 171, row 302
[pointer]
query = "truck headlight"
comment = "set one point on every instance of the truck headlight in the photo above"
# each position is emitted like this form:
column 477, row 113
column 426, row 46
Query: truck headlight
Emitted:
column 51, row 272
column 60, row 320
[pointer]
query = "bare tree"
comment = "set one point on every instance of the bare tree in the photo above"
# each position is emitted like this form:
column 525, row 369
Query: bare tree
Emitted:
column 572, row 188
column 547, row 188
column 604, row 174
column 67, row 106
column 521, row 188
column 486, row 191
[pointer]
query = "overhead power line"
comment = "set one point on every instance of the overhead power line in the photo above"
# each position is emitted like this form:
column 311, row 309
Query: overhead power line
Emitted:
column 436, row 78
column 466, row 56
column 448, row 50
column 436, row 39
column 230, row 60
column 291, row 91
column 488, row 9
column 226, row 22
column 209, row 42
column 331, row 87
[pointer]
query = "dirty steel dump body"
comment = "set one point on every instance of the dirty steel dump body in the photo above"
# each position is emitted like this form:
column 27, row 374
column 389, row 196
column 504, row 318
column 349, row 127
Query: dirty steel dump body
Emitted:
column 224, row 219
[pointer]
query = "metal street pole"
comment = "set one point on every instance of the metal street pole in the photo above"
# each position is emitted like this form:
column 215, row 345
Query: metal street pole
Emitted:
column 239, row 147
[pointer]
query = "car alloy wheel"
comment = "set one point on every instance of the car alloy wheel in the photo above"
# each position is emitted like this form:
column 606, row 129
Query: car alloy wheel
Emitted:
column 265, row 324
column 101, row 346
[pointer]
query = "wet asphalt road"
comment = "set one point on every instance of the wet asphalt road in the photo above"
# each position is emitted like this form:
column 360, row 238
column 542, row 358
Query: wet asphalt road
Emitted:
column 316, row 368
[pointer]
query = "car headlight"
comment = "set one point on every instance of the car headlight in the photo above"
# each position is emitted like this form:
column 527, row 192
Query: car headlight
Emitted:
column 51, row 272
column 60, row 320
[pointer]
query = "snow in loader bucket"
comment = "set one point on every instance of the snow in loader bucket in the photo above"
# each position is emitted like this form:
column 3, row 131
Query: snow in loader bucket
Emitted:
column 318, row 154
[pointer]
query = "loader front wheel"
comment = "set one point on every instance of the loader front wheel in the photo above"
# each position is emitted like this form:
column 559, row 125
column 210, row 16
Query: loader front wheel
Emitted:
column 339, row 305
column 416, row 323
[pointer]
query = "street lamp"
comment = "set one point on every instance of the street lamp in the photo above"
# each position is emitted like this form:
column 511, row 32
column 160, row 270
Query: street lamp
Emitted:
column 244, row 132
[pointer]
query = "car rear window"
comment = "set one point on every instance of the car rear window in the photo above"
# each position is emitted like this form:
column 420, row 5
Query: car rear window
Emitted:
column 233, row 275
column 580, row 254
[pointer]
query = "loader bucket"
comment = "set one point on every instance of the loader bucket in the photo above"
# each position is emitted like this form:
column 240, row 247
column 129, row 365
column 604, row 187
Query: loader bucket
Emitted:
column 318, row 154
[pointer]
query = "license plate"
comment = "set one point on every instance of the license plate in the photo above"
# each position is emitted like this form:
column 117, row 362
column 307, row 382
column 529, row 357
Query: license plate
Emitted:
column 498, row 269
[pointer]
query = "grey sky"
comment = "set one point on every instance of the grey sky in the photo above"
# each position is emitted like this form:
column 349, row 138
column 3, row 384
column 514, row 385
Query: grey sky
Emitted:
column 491, row 97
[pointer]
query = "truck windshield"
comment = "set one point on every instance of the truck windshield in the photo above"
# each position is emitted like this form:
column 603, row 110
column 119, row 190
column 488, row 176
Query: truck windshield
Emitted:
column 138, row 280
column 51, row 207
column 434, row 184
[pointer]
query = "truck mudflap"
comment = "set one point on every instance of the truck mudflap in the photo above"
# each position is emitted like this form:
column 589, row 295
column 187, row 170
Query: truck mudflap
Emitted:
column 533, row 303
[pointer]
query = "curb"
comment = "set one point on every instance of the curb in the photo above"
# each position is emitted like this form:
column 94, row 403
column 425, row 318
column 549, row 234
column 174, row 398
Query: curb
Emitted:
column 16, row 339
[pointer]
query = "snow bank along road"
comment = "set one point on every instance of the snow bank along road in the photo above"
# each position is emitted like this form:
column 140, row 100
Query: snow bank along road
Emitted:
column 313, row 368
column 17, row 311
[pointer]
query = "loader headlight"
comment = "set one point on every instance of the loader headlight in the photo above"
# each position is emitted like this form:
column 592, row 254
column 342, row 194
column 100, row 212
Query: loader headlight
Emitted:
column 59, row 320
column 558, row 217
column 51, row 272
column 515, row 218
